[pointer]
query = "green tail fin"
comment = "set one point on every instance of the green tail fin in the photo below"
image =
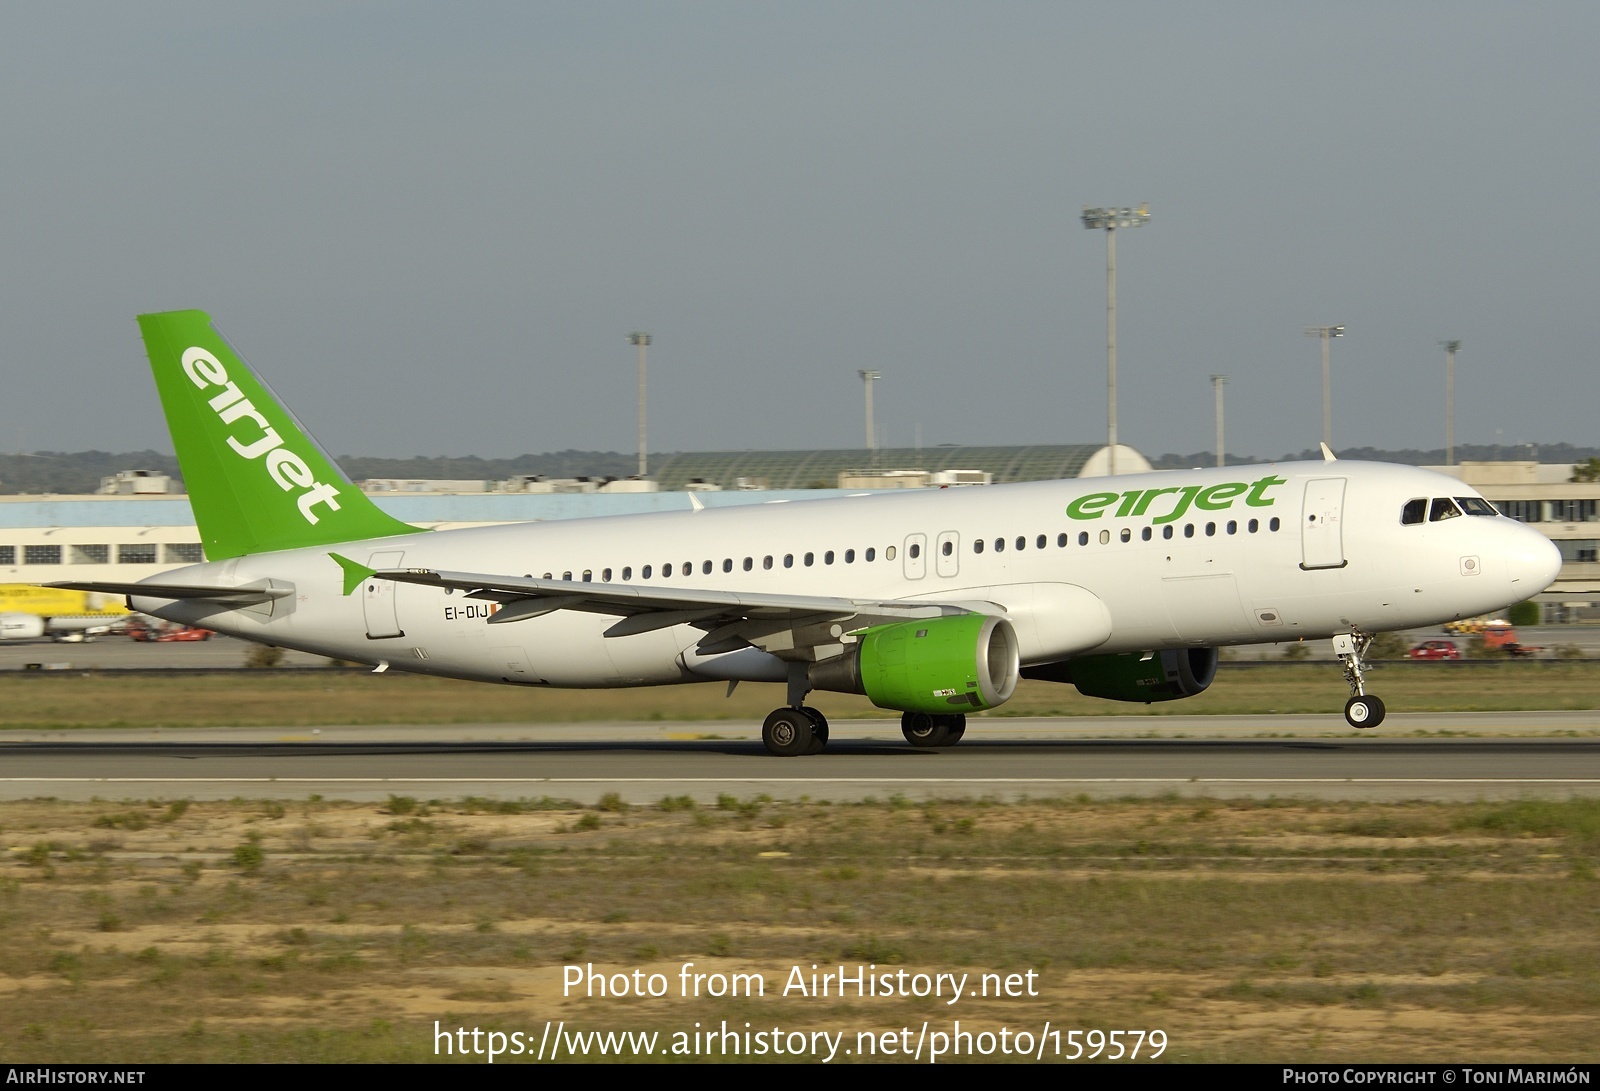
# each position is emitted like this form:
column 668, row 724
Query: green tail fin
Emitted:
column 257, row 481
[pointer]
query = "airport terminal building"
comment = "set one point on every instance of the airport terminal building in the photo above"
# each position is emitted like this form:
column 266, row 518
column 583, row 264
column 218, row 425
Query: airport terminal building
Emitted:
column 136, row 532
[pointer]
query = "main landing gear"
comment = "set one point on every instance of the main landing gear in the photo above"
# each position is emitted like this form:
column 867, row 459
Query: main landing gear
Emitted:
column 796, row 728
column 790, row 732
column 1363, row 709
column 924, row 729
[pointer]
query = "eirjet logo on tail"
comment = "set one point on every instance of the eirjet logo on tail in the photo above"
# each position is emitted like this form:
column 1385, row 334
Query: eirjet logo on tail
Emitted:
column 287, row 469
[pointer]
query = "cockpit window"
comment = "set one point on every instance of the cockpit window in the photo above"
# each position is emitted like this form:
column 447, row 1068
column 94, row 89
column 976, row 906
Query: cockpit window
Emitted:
column 1415, row 511
column 1443, row 508
column 1476, row 505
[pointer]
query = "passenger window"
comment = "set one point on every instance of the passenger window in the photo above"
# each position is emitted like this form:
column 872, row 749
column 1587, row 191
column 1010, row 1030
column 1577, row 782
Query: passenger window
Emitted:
column 1274, row 525
column 688, row 568
column 1233, row 527
column 1166, row 531
column 1188, row 530
column 1127, row 535
column 666, row 571
column 1414, row 512
column 1083, row 537
column 1061, row 541
column 916, row 551
column 849, row 556
column 605, row 576
column 888, row 552
column 811, row 559
column 1443, row 508
column 766, row 562
column 827, row 558
column 788, row 560
column 1022, row 543
column 566, row 576
column 749, row 563
column 999, row 545
column 977, row 545
column 588, row 576
column 1211, row 530
column 949, row 548
column 644, row 573
column 1105, row 537
column 1254, row 525
column 1039, row 542
column 706, row 568
column 627, row 573
column 1145, row 534
column 727, row 564
column 870, row 553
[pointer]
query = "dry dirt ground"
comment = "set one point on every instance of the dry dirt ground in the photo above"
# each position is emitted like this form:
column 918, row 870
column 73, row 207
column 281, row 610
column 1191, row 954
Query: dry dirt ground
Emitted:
column 1258, row 931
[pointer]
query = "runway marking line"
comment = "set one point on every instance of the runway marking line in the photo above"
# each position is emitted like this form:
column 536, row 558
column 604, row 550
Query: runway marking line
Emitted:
column 814, row 780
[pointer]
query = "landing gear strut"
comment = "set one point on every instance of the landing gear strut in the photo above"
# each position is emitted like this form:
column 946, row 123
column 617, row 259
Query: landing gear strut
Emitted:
column 924, row 729
column 1363, row 709
column 797, row 728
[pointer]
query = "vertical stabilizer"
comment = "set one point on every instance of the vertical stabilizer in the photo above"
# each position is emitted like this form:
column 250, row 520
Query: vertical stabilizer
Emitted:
column 257, row 481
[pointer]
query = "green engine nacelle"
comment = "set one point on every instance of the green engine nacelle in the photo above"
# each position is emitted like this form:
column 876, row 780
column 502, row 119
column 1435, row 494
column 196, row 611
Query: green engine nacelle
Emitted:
column 961, row 663
column 1136, row 676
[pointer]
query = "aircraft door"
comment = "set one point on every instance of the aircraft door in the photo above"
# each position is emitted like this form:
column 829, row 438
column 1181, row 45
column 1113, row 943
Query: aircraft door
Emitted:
column 1322, row 524
column 916, row 556
column 378, row 598
column 947, row 561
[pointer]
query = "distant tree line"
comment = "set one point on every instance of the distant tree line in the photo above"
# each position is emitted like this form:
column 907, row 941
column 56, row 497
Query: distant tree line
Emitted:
column 77, row 473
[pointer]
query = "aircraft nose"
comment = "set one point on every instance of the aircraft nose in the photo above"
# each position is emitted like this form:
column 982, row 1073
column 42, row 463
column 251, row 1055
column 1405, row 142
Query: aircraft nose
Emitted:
column 1533, row 561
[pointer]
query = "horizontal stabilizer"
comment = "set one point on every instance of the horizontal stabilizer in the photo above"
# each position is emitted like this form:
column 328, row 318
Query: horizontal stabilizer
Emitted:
column 228, row 596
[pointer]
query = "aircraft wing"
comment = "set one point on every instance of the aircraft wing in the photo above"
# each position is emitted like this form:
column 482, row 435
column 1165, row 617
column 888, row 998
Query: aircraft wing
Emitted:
column 733, row 620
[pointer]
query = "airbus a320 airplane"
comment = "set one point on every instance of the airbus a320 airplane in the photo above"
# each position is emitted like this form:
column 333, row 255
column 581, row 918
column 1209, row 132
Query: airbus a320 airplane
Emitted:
column 933, row 603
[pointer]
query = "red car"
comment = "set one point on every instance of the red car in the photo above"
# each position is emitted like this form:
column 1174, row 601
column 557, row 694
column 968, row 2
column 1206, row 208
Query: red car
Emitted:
column 153, row 634
column 1435, row 649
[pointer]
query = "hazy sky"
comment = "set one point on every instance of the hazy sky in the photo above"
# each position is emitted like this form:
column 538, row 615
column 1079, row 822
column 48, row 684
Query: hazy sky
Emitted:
column 431, row 226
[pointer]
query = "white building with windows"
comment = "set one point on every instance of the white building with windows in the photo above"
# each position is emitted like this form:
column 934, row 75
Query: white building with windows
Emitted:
column 130, row 536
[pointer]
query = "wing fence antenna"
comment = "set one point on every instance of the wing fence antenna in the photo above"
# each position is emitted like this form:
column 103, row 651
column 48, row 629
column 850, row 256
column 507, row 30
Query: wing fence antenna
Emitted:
column 1327, row 454
column 694, row 501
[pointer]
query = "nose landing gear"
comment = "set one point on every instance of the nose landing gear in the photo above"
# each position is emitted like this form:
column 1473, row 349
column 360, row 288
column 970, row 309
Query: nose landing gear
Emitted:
column 1363, row 709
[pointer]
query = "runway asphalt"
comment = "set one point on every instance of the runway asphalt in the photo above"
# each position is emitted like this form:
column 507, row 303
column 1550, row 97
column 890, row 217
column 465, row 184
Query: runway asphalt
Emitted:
column 1436, row 756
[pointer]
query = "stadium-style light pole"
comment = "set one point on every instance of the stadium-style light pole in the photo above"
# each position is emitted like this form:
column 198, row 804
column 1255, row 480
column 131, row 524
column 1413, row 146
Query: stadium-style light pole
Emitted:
column 1108, row 220
column 642, row 342
column 1327, row 333
column 867, row 379
column 1450, row 348
column 1217, row 383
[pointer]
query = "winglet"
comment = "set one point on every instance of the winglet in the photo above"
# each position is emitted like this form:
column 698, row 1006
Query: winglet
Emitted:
column 354, row 573
column 1327, row 454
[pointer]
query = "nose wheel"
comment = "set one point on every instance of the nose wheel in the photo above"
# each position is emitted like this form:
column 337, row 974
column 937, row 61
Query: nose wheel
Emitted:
column 1363, row 709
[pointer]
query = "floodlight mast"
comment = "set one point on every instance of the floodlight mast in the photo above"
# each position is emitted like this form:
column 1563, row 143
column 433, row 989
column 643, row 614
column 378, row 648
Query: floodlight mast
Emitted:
column 1327, row 333
column 1217, row 383
column 1450, row 348
column 642, row 341
column 867, row 379
column 1108, row 220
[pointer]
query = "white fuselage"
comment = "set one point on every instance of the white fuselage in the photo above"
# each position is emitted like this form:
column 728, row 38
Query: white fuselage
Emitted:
column 1255, row 554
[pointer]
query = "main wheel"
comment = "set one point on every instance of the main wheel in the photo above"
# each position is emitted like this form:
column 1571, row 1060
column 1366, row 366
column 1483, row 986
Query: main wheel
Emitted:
column 788, row 733
column 819, row 729
column 958, row 727
column 1363, row 711
column 923, row 729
